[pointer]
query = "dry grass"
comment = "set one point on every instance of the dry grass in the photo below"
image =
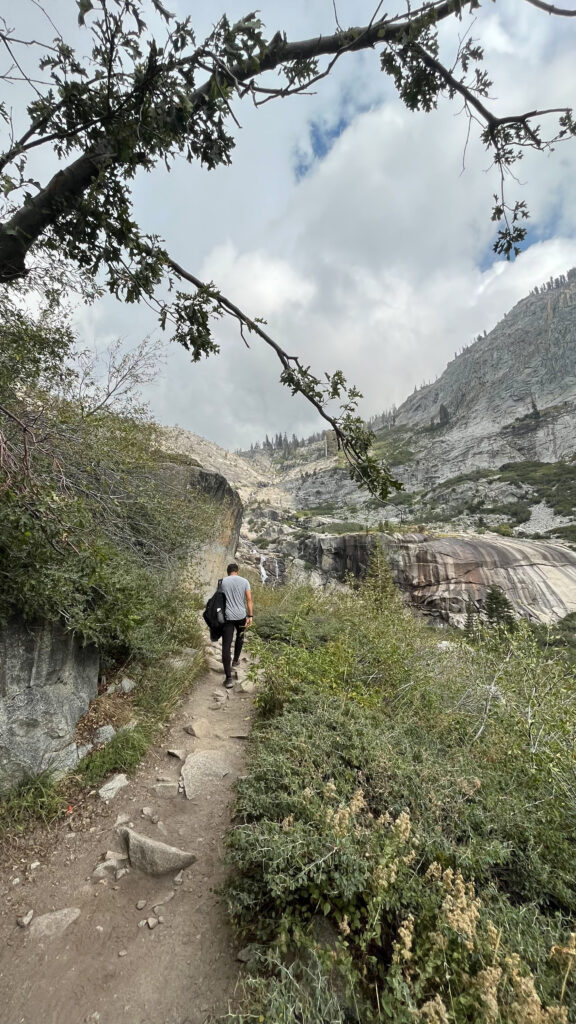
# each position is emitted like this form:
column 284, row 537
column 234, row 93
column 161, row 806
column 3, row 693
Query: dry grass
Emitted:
column 115, row 709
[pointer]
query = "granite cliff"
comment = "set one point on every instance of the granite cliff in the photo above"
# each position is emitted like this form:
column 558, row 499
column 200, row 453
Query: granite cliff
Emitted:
column 444, row 576
column 509, row 397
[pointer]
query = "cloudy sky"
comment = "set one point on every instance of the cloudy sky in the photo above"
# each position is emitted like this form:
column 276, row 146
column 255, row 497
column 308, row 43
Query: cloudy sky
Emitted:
column 350, row 224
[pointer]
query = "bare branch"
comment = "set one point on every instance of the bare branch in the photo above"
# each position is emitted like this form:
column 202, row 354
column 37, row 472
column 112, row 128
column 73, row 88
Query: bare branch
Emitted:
column 472, row 100
column 560, row 12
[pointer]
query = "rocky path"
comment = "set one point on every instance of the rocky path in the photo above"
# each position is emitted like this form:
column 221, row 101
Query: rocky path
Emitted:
column 129, row 947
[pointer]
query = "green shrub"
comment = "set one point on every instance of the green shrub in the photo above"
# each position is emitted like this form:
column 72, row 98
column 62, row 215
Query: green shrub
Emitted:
column 553, row 482
column 567, row 533
column 92, row 519
column 404, row 838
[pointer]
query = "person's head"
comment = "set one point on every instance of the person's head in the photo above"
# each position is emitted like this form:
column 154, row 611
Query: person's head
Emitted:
column 232, row 568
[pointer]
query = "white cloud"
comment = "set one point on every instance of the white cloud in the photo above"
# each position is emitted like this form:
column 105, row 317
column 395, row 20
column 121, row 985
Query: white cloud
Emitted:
column 379, row 260
column 257, row 280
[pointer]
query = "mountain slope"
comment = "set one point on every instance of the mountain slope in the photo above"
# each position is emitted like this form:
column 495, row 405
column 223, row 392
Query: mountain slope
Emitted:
column 509, row 397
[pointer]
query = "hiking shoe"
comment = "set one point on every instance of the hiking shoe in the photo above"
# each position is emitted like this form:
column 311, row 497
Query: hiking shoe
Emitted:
column 235, row 664
column 229, row 682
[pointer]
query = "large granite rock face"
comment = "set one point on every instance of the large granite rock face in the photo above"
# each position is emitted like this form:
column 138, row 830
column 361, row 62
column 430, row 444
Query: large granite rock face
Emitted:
column 207, row 558
column 509, row 397
column 337, row 557
column 244, row 476
column 213, row 556
column 440, row 574
column 47, row 680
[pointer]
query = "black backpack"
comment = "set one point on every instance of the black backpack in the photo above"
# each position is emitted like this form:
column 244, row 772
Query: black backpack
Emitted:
column 213, row 613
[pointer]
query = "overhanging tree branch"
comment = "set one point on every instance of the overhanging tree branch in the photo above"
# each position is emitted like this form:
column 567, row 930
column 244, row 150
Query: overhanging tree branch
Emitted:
column 143, row 104
column 27, row 224
column 560, row 12
column 302, row 381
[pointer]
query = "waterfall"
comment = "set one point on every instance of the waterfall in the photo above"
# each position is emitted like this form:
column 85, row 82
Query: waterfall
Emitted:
column 263, row 572
column 276, row 570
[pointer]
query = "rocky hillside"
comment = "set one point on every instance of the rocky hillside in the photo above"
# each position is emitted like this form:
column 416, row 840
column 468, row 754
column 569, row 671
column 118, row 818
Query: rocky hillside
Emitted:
column 509, row 397
column 485, row 453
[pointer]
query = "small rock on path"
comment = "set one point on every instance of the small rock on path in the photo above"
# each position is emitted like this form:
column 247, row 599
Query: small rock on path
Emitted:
column 49, row 926
column 152, row 856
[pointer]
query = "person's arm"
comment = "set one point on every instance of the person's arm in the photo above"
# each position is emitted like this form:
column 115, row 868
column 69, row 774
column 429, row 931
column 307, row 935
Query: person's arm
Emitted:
column 249, row 604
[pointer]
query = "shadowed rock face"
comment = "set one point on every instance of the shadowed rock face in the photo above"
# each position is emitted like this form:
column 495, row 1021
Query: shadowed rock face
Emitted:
column 440, row 574
column 47, row 680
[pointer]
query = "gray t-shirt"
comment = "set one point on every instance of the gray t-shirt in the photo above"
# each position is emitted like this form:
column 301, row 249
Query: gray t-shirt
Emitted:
column 235, row 588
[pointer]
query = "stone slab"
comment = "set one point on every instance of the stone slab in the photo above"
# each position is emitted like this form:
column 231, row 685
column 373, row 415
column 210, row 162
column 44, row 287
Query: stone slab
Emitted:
column 152, row 856
column 111, row 788
column 50, row 926
column 201, row 769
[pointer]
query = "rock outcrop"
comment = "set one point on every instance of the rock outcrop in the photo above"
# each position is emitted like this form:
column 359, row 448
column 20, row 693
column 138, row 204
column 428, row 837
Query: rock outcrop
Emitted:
column 223, row 507
column 440, row 575
column 212, row 557
column 47, row 680
column 340, row 556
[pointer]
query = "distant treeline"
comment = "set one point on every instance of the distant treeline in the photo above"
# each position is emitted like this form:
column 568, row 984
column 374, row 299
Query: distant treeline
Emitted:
column 282, row 443
column 555, row 282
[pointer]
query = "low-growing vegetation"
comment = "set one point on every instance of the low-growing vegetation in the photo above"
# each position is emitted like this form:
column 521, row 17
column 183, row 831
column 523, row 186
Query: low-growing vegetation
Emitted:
column 553, row 482
column 404, row 846
column 393, row 445
column 550, row 482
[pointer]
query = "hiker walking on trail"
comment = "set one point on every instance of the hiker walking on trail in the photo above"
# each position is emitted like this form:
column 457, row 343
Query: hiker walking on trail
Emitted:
column 238, row 596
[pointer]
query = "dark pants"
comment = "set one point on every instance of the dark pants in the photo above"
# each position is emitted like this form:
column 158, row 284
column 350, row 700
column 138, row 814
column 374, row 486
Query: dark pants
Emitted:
column 229, row 626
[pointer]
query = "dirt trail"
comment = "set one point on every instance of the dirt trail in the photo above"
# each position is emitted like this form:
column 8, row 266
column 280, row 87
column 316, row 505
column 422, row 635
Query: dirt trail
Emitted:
column 104, row 968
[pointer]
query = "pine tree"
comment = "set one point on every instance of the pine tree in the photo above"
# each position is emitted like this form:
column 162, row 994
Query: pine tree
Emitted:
column 499, row 611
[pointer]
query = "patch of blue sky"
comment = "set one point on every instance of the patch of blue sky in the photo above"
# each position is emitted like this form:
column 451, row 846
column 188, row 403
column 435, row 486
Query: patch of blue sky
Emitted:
column 322, row 137
column 322, row 134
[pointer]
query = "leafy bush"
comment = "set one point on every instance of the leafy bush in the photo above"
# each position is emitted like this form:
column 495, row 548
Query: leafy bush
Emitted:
column 93, row 519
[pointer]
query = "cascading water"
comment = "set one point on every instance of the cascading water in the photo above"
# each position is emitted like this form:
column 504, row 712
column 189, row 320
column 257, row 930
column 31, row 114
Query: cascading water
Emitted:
column 263, row 573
